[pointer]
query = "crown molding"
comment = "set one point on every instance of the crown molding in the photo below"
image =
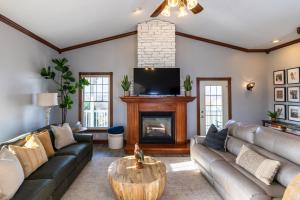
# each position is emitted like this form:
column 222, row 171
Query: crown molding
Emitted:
column 77, row 46
column 20, row 28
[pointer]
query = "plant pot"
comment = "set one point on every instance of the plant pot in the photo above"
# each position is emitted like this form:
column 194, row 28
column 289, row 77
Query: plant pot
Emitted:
column 188, row 93
column 273, row 119
column 126, row 93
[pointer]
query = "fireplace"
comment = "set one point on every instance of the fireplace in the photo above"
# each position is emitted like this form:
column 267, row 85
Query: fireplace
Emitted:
column 157, row 128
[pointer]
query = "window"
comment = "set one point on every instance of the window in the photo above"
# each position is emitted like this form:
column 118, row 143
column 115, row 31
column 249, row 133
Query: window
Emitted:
column 95, row 101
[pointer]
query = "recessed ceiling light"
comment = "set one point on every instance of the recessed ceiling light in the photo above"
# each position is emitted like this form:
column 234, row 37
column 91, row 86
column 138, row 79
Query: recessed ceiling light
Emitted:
column 137, row 11
column 275, row 41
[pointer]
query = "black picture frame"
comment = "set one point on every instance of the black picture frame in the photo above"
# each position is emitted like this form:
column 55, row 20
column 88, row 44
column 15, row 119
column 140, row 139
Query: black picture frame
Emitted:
column 284, row 111
column 275, row 81
column 284, row 94
column 297, row 76
column 288, row 94
column 290, row 113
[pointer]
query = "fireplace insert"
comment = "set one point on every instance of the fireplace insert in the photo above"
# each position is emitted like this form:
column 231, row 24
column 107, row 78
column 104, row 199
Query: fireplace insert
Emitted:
column 157, row 128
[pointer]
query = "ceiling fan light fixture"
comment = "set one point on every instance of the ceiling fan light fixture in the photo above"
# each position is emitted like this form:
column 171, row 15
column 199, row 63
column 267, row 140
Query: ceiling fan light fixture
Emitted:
column 191, row 4
column 173, row 3
column 166, row 11
column 182, row 11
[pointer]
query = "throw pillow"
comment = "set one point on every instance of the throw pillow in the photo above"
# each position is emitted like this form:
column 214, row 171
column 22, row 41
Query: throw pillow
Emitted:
column 216, row 139
column 44, row 137
column 31, row 156
column 262, row 168
column 11, row 174
column 292, row 191
column 63, row 135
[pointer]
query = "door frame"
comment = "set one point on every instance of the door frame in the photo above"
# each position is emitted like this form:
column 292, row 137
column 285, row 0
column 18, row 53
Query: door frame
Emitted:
column 198, row 80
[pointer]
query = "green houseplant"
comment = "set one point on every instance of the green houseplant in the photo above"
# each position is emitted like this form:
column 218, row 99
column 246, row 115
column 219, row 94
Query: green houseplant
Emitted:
column 126, row 85
column 66, row 84
column 187, row 84
column 273, row 115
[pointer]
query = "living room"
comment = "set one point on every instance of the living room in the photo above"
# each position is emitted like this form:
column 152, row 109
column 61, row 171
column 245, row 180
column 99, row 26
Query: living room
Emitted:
column 209, row 91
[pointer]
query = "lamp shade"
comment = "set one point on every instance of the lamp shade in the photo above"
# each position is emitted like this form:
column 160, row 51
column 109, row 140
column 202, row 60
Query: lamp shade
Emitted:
column 47, row 99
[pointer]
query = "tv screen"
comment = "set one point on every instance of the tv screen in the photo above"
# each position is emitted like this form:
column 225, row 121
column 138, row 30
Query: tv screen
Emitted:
column 156, row 81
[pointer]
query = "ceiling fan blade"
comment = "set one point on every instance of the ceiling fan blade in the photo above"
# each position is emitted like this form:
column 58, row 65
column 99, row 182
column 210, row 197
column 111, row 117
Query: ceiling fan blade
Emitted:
column 197, row 9
column 160, row 8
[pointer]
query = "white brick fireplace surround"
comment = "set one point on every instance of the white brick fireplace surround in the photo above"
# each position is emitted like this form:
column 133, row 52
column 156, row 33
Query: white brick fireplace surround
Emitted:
column 156, row 44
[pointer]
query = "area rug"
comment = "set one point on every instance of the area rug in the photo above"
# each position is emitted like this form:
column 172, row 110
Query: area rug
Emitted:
column 184, row 181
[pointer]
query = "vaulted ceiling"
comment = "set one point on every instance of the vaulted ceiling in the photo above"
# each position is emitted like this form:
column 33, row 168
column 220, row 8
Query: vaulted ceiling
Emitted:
column 246, row 23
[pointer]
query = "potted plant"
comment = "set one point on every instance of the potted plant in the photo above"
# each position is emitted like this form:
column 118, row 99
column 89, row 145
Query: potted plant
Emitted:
column 126, row 85
column 66, row 84
column 188, row 85
column 272, row 115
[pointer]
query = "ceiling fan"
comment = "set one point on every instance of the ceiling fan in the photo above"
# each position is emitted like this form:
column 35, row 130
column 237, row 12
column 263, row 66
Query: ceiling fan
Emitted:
column 165, row 7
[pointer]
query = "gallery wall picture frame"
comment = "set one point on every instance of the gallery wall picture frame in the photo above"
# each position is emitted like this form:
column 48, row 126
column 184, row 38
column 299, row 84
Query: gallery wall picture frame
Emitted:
column 281, row 111
column 294, row 113
column 279, row 94
column 279, row 77
column 293, row 94
column 293, row 75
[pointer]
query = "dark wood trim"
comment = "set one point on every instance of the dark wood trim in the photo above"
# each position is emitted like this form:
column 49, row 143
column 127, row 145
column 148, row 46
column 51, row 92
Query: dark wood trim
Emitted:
column 100, row 141
column 228, row 79
column 20, row 28
column 98, row 41
column 220, row 43
column 283, row 45
column 111, row 113
column 160, row 148
column 159, row 9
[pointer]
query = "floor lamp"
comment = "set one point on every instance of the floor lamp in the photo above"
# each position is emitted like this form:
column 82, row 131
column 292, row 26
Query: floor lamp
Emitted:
column 47, row 100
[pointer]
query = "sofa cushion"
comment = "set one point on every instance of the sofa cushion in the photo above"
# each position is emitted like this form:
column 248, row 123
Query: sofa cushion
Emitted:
column 79, row 150
column 45, row 139
column 57, row 168
column 40, row 189
column 280, row 143
column 225, row 155
column 287, row 170
column 234, row 145
column 261, row 167
column 244, row 132
column 204, row 156
column 63, row 135
column 215, row 139
column 235, row 184
column 31, row 156
column 273, row 190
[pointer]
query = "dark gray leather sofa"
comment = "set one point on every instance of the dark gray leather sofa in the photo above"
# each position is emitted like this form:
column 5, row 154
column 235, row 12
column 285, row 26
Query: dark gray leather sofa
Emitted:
column 52, row 179
column 233, row 182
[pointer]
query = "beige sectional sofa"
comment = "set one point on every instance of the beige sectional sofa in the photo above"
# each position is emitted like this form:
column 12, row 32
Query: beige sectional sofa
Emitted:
column 233, row 182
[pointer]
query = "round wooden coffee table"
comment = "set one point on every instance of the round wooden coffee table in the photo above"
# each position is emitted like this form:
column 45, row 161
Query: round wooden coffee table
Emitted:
column 130, row 183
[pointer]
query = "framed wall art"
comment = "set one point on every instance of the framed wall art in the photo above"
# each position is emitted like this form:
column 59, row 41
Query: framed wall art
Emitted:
column 281, row 111
column 293, row 94
column 294, row 113
column 279, row 77
column 293, row 76
column 279, row 94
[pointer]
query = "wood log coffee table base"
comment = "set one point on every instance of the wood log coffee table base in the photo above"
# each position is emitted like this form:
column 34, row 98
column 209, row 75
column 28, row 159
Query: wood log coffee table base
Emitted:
column 130, row 183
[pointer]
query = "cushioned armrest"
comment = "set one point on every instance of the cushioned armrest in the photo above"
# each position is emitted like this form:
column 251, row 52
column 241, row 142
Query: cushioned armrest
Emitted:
column 83, row 137
column 198, row 139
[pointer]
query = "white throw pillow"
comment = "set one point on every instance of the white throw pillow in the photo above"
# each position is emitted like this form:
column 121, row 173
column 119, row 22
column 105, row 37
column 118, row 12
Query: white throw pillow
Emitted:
column 11, row 174
column 63, row 135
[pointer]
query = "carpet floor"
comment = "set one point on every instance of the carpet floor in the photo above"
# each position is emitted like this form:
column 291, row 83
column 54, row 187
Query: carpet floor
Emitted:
column 184, row 181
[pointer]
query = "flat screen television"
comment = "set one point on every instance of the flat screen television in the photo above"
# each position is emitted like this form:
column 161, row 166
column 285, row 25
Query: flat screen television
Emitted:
column 156, row 81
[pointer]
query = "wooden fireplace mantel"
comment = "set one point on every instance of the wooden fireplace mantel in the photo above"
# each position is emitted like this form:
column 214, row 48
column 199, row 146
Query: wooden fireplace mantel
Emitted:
column 176, row 104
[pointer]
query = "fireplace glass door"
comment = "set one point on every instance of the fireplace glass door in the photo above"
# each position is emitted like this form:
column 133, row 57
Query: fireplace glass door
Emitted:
column 156, row 128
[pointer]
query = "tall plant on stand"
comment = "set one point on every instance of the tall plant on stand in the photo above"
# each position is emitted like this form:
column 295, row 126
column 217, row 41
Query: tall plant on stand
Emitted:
column 66, row 84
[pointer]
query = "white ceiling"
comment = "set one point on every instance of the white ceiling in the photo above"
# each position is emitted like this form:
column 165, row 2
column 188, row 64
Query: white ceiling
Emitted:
column 246, row 23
